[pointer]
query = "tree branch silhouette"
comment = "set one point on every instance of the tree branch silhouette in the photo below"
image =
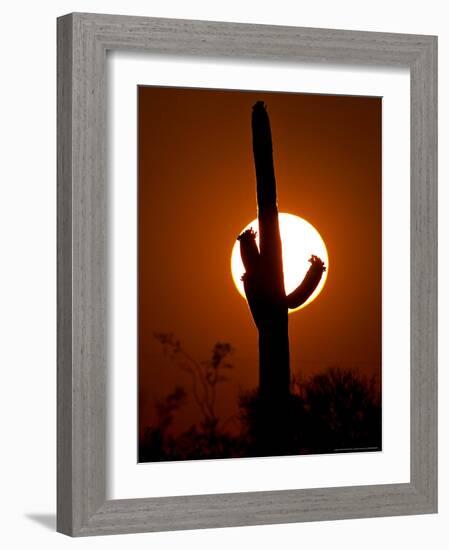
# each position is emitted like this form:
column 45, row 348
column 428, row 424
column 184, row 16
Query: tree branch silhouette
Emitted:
column 204, row 375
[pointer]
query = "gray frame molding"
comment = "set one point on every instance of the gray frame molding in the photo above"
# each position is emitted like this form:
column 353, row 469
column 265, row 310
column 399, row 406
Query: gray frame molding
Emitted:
column 83, row 40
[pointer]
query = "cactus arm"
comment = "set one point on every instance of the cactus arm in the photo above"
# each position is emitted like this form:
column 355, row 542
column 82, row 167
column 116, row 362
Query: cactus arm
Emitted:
column 249, row 251
column 306, row 288
column 251, row 278
column 251, row 285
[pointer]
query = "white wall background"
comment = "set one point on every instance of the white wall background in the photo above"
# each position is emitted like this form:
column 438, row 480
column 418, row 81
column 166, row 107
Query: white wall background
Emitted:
column 28, row 273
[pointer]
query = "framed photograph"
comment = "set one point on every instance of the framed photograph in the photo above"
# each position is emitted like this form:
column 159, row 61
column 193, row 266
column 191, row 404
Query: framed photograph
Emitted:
column 247, row 274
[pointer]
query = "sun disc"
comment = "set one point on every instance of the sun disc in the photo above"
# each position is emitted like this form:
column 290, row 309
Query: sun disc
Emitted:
column 299, row 241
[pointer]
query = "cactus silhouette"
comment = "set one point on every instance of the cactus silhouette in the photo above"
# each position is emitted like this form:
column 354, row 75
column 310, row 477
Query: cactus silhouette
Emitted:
column 263, row 279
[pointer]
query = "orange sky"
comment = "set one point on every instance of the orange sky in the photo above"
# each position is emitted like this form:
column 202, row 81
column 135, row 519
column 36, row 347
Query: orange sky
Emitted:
column 197, row 191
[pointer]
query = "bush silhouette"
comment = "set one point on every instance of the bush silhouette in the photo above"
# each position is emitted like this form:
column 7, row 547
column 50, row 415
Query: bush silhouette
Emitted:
column 338, row 410
column 207, row 438
column 342, row 411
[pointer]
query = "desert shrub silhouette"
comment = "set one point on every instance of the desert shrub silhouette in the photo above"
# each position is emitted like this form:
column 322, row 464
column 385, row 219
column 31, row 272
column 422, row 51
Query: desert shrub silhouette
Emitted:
column 343, row 411
column 336, row 410
column 208, row 437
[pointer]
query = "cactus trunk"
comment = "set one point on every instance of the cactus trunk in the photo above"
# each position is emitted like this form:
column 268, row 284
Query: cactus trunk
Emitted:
column 272, row 323
column 264, row 278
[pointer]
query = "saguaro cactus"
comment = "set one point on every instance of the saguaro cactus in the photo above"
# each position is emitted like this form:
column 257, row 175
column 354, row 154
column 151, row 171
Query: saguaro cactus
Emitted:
column 264, row 279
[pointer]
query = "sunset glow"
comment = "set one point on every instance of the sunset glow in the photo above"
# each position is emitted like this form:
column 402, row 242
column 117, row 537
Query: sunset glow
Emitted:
column 299, row 241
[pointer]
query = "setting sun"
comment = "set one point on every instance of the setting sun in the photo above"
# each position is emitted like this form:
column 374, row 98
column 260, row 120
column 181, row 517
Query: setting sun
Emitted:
column 299, row 241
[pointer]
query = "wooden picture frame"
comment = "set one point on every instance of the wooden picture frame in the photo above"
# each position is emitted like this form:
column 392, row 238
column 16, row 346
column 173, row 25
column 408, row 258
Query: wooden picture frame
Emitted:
column 83, row 40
